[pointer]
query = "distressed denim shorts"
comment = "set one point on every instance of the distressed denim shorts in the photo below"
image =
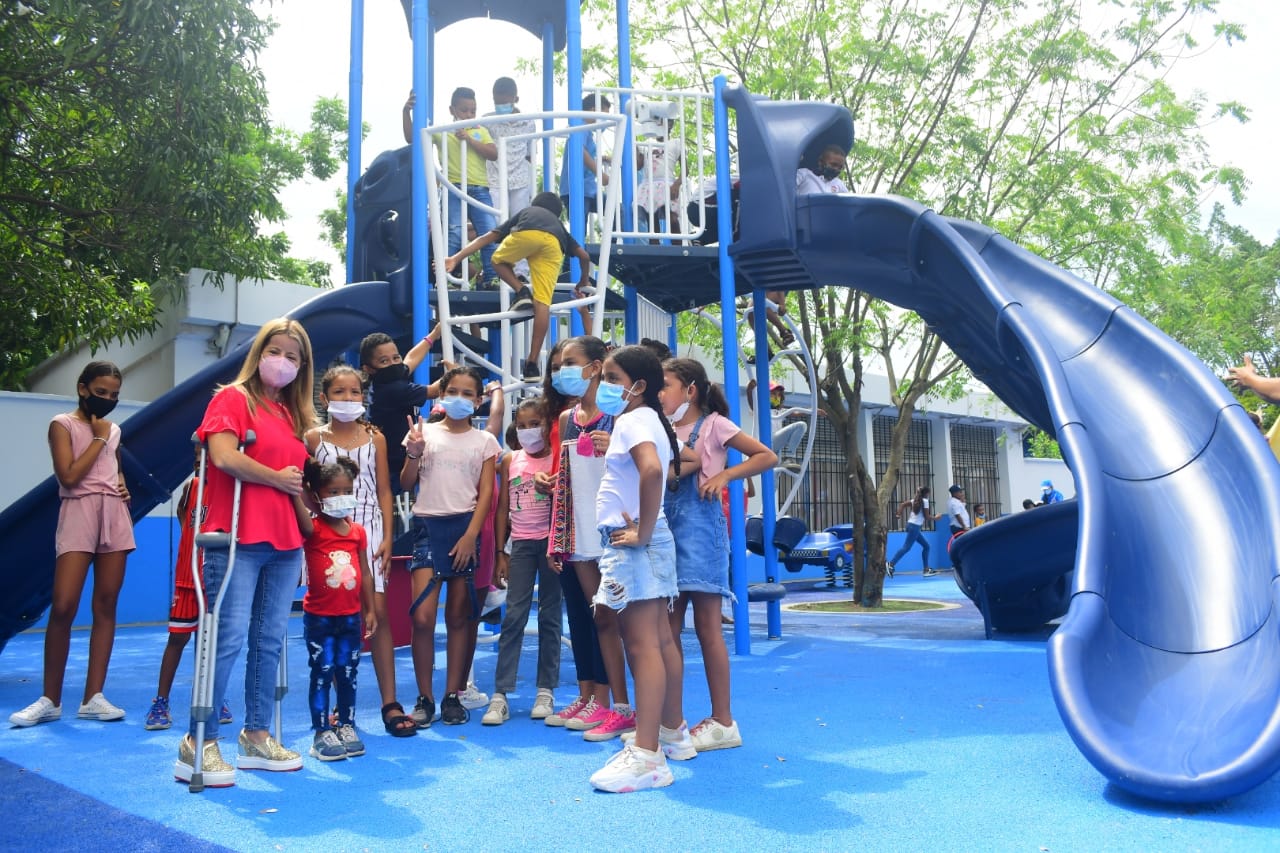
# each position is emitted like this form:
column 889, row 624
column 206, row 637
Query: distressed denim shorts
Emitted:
column 637, row 574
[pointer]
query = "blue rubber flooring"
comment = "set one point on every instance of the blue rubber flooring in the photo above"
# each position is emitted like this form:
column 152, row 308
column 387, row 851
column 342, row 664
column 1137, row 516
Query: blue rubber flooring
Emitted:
column 869, row 732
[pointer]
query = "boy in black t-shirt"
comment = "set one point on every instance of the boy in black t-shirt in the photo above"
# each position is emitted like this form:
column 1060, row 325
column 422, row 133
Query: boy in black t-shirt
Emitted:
column 537, row 235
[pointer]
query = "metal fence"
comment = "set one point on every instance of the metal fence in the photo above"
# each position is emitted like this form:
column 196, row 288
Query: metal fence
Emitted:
column 974, row 466
column 823, row 498
column 916, row 469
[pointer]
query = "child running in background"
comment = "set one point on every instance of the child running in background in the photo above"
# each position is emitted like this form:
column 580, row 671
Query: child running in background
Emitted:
column 699, row 413
column 453, row 465
column 584, row 432
column 184, row 610
column 638, row 567
column 94, row 528
column 534, row 234
column 525, row 513
column 349, row 434
column 339, row 587
column 918, row 515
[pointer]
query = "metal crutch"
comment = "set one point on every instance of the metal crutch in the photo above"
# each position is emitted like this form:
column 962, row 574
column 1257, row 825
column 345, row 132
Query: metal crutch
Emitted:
column 207, row 629
column 282, row 686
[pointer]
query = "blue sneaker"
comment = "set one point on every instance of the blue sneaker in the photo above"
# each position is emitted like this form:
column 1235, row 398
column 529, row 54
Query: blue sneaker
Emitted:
column 224, row 713
column 158, row 717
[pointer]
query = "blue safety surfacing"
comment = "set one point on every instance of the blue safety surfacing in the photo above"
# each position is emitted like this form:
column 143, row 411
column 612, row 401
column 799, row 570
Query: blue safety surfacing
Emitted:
column 867, row 732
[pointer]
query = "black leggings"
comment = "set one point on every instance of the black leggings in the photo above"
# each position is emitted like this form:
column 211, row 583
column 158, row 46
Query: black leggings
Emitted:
column 587, row 660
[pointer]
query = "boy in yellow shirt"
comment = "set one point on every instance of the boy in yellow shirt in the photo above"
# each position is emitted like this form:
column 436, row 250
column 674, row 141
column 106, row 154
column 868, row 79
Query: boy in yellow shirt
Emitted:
column 469, row 149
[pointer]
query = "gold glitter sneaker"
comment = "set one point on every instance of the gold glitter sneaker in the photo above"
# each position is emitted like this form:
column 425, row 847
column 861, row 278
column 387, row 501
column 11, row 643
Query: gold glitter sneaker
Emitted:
column 217, row 773
column 268, row 755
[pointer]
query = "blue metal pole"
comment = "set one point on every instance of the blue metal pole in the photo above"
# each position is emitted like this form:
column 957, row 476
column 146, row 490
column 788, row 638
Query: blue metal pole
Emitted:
column 548, row 104
column 355, row 107
column 631, row 314
column 422, row 106
column 573, row 150
column 768, row 485
column 732, row 389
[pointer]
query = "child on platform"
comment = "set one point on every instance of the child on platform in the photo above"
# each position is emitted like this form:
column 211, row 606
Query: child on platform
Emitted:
column 393, row 396
column 536, row 235
column 339, row 588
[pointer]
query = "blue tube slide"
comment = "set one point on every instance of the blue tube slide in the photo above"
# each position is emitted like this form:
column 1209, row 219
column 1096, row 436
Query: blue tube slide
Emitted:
column 1166, row 668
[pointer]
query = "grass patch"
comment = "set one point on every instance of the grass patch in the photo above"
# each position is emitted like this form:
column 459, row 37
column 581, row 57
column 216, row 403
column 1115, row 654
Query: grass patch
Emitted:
column 891, row 605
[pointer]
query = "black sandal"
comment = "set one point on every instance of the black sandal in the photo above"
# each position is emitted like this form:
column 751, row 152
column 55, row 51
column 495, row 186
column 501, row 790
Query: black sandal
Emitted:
column 395, row 723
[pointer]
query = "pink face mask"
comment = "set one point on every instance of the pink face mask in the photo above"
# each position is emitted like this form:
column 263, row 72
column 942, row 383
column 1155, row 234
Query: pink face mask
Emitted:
column 276, row 371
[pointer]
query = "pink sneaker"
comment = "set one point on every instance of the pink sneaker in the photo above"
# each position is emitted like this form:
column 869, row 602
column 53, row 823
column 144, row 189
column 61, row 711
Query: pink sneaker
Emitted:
column 589, row 717
column 618, row 722
column 566, row 713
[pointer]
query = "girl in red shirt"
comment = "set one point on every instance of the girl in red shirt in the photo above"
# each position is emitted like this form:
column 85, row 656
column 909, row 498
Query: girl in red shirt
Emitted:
column 339, row 588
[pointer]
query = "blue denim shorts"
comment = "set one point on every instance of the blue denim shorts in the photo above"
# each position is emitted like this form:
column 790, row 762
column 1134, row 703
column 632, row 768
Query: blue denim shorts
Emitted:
column 637, row 574
column 434, row 537
column 702, row 540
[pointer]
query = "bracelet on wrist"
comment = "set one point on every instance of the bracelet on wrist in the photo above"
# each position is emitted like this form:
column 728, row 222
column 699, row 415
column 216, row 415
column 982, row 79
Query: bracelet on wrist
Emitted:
column 98, row 438
column 412, row 457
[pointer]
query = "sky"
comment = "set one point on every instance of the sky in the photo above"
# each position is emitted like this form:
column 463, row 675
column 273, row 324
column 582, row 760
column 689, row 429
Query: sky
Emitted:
column 308, row 58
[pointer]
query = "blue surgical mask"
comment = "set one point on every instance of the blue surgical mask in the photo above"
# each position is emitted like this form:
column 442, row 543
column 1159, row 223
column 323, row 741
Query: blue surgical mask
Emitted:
column 568, row 380
column 457, row 408
column 611, row 399
column 504, row 109
column 338, row 506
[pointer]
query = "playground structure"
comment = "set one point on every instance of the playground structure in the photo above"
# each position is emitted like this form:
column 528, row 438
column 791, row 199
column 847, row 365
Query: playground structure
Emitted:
column 1164, row 669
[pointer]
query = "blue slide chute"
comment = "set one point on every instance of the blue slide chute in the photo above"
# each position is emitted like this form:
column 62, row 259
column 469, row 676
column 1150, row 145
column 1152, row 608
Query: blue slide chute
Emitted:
column 1166, row 669
column 156, row 452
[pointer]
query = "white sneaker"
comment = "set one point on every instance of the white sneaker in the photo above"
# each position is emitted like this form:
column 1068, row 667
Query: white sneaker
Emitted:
column 472, row 699
column 711, row 734
column 633, row 769
column 98, row 708
column 40, row 711
column 675, row 743
column 544, row 705
column 498, row 712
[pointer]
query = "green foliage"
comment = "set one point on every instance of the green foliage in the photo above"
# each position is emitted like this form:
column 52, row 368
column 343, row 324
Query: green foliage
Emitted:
column 134, row 145
column 1042, row 445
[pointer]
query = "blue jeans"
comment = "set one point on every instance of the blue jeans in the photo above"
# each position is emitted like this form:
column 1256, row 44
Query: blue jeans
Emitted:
column 333, row 651
column 702, row 539
column 256, row 606
column 483, row 220
column 529, row 564
column 913, row 536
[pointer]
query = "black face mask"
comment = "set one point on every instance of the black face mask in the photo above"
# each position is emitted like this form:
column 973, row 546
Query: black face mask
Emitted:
column 97, row 407
column 830, row 173
column 390, row 373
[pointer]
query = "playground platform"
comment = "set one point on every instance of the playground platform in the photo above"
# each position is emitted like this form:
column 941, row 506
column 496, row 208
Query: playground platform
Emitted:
column 868, row 732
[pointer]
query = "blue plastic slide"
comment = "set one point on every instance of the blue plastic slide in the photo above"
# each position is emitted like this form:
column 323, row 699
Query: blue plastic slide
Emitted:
column 156, row 446
column 1166, row 669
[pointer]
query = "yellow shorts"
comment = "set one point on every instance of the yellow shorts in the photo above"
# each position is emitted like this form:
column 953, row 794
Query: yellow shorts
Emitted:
column 543, row 253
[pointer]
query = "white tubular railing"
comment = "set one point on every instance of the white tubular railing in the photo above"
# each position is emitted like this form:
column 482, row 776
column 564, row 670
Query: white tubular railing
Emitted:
column 439, row 188
column 666, row 133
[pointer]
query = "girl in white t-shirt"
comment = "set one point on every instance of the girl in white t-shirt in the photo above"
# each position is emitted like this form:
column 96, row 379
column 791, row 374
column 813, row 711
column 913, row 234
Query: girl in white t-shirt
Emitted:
column 453, row 465
column 699, row 412
column 919, row 507
column 638, row 567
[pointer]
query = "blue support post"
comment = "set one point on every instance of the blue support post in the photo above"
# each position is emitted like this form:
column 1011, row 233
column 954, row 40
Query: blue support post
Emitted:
column 548, row 104
column 768, row 485
column 573, row 149
column 355, row 107
column 421, row 118
column 672, row 337
column 631, row 314
column 732, row 389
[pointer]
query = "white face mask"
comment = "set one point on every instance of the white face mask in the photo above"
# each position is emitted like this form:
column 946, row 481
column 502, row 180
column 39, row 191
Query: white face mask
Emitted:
column 531, row 440
column 679, row 413
column 345, row 410
column 338, row 506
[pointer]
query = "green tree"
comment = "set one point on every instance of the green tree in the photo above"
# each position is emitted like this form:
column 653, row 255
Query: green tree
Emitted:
column 134, row 145
column 1047, row 122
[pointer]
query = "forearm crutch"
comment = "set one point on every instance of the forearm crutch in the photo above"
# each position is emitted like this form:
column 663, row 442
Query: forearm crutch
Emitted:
column 202, row 707
column 282, row 686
